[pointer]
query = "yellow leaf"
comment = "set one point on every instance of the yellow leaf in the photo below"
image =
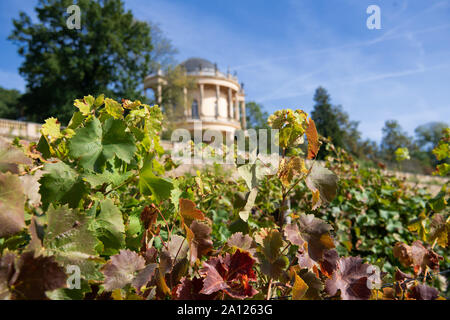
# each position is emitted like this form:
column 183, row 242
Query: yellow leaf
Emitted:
column 113, row 108
column 51, row 128
column 299, row 289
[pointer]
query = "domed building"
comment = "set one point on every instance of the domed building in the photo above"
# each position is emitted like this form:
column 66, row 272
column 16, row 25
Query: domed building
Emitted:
column 218, row 100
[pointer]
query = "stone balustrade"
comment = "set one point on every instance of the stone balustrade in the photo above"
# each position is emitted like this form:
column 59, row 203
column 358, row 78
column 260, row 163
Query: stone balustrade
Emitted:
column 25, row 130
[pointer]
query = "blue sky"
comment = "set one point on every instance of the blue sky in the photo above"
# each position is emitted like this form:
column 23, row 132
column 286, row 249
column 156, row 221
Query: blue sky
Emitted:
column 283, row 50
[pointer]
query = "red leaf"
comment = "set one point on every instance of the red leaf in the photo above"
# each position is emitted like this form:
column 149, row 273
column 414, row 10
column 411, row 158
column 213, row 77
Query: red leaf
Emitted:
column 230, row 274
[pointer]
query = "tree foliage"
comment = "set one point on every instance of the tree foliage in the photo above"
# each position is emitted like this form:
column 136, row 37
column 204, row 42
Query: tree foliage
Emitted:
column 111, row 53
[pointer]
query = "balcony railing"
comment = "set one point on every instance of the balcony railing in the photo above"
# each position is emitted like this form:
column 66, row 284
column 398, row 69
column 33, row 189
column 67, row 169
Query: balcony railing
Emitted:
column 21, row 129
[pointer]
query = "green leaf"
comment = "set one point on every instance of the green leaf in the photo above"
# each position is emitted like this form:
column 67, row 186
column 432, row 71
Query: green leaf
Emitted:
column 12, row 202
column 114, row 178
column 95, row 144
column 109, row 227
column 150, row 184
column 68, row 237
column 61, row 184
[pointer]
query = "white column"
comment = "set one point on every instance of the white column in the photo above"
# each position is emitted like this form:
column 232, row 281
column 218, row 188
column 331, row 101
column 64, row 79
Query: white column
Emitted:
column 186, row 108
column 230, row 104
column 200, row 103
column 217, row 100
column 243, row 116
column 159, row 93
column 236, row 107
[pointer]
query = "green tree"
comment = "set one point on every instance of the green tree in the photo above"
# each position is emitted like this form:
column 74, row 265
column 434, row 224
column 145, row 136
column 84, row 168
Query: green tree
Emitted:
column 9, row 103
column 110, row 54
column 255, row 116
column 393, row 138
column 429, row 134
column 327, row 122
column 350, row 134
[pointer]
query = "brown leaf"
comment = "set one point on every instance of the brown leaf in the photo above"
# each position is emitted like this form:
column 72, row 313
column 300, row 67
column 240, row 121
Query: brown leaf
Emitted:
column 417, row 256
column 190, row 290
column 12, row 202
column 423, row 292
column 313, row 139
column 121, row 269
column 243, row 242
column 149, row 216
column 36, row 275
column 329, row 263
column 6, row 273
column 199, row 239
column 189, row 211
column 292, row 234
column 351, row 278
column 317, row 233
column 144, row 277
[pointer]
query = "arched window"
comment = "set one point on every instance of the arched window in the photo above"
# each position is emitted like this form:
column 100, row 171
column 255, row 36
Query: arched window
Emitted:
column 195, row 110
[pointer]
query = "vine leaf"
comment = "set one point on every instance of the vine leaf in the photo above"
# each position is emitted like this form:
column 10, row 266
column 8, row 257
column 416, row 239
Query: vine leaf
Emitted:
column 94, row 144
column 269, row 255
column 243, row 242
column 52, row 129
column 6, row 273
column 315, row 285
column 199, row 240
column 423, row 292
column 149, row 216
column 11, row 157
column 61, row 184
column 144, row 277
column 439, row 230
column 31, row 186
column 69, row 238
column 190, row 290
column 189, row 211
column 113, row 108
column 351, row 278
column 85, row 105
column 150, row 184
column 34, row 276
column 12, row 202
column 329, row 263
column 230, row 274
column 417, row 256
column 121, row 269
column 316, row 233
column 109, row 227
column 323, row 180
column 299, row 288
column 313, row 139
column 291, row 168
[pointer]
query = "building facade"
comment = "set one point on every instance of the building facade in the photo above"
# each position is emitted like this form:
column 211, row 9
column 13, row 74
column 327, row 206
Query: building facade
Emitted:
column 218, row 101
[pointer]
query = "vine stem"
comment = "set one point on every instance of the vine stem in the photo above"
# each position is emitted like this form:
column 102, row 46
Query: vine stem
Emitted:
column 269, row 290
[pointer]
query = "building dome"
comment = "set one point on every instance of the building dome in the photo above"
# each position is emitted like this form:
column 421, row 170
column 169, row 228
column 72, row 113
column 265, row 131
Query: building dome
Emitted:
column 216, row 103
column 197, row 64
